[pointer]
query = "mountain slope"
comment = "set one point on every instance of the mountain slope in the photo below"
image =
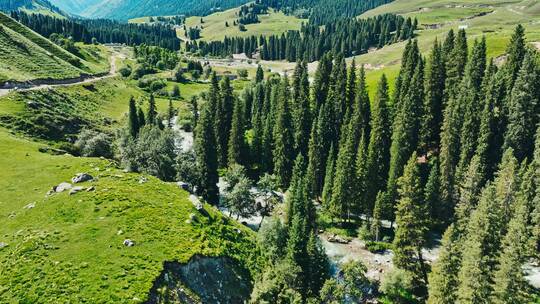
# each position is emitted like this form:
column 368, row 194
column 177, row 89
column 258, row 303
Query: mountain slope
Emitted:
column 75, row 7
column 31, row 6
column 128, row 9
column 19, row 44
column 64, row 248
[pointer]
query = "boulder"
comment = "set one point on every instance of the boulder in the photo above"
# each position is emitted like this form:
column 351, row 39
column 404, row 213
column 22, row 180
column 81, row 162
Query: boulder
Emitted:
column 184, row 186
column 337, row 239
column 81, row 177
column 129, row 243
column 90, row 189
column 142, row 180
column 75, row 190
column 62, row 187
column 2, row 245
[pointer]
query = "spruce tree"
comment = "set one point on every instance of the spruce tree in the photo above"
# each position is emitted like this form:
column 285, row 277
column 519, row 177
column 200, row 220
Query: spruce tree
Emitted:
column 151, row 114
column 236, row 153
column 443, row 280
column 361, row 190
column 329, row 182
column 302, row 111
column 344, row 177
column 283, row 152
column 133, row 119
column 485, row 228
column 405, row 130
column 259, row 76
column 516, row 53
column 523, row 110
column 510, row 285
column 433, row 101
column 378, row 155
column 170, row 114
column 141, row 118
column 471, row 102
column 315, row 162
column 207, row 162
column 412, row 225
column 431, row 192
column 223, row 119
column 491, row 132
column 351, row 87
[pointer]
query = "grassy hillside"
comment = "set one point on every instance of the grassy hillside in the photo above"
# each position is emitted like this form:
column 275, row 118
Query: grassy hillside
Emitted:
column 32, row 6
column 214, row 25
column 69, row 248
column 494, row 20
column 19, row 43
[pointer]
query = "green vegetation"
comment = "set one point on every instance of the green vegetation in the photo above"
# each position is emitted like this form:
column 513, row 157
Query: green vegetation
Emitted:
column 49, row 61
column 73, row 243
column 214, row 29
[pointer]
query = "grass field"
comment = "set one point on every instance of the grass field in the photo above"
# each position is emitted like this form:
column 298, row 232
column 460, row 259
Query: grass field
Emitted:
column 68, row 248
column 18, row 43
column 214, row 25
column 494, row 20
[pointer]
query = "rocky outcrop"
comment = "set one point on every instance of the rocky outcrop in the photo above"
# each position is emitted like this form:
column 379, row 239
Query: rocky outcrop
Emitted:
column 201, row 280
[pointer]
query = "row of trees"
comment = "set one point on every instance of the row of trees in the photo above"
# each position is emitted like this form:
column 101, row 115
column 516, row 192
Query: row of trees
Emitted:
column 321, row 12
column 346, row 36
column 101, row 30
column 411, row 158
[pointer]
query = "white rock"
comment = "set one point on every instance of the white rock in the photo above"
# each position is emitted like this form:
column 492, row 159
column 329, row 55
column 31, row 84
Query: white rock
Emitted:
column 129, row 243
column 62, row 187
column 75, row 190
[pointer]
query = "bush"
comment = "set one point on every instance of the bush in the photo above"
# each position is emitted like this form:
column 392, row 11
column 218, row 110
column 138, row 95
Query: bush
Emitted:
column 243, row 73
column 152, row 152
column 397, row 286
column 141, row 70
column 94, row 144
column 125, row 71
column 378, row 247
column 157, row 85
column 364, row 233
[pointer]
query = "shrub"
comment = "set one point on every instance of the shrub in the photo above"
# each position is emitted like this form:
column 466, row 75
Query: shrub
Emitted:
column 152, row 152
column 125, row 71
column 397, row 286
column 243, row 73
column 94, row 144
column 157, row 84
column 378, row 247
column 364, row 233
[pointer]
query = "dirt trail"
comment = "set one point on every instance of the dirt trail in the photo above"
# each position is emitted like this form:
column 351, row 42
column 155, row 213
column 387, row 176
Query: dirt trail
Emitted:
column 69, row 82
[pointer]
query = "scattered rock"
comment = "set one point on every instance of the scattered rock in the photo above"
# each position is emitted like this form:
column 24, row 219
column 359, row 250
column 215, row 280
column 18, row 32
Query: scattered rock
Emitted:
column 81, row 177
column 2, row 245
column 142, row 180
column 129, row 243
column 338, row 239
column 120, row 232
column 62, row 187
column 75, row 190
column 238, row 230
column 192, row 217
column 184, row 186
column 90, row 189
column 30, row 206
column 49, row 193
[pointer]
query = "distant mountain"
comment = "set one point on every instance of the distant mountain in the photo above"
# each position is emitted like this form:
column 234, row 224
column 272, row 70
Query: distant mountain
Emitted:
column 38, row 6
column 127, row 9
column 76, row 7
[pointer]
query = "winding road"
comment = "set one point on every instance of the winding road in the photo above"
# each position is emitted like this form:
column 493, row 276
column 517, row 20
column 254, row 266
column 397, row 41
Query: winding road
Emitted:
column 69, row 82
